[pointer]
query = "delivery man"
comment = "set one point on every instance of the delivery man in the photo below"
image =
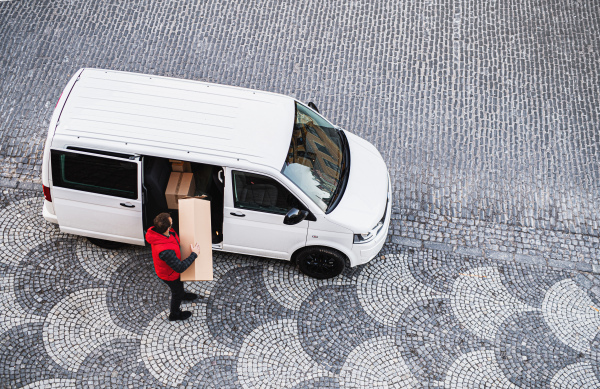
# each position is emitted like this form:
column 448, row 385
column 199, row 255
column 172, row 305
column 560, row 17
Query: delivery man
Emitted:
column 168, row 263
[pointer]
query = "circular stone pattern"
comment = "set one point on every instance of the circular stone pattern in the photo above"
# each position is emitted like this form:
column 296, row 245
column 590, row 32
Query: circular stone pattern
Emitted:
column 22, row 227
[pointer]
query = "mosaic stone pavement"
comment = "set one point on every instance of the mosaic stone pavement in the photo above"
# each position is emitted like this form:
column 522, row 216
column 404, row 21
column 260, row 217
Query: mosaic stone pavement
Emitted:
column 75, row 315
column 487, row 114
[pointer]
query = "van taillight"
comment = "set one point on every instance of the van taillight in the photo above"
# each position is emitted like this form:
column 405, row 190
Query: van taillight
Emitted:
column 47, row 193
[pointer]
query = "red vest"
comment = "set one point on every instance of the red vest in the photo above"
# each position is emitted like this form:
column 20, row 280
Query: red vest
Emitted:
column 160, row 243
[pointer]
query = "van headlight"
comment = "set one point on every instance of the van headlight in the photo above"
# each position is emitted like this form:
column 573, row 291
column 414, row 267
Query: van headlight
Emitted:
column 368, row 236
column 363, row 238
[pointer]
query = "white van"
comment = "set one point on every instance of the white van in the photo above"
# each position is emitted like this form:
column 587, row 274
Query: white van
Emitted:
column 283, row 181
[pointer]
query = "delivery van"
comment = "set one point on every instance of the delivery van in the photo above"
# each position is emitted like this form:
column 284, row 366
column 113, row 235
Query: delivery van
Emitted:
column 283, row 182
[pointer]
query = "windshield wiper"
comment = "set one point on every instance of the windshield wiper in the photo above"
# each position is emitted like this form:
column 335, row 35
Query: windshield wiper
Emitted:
column 345, row 173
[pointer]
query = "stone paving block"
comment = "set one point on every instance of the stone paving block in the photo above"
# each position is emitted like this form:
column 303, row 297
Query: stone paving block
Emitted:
column 502, row 256
column 530, row 259
column 472, row 252
column 407, row 242
column 8, row 183
column 438, row 246
column 29, row 186
column 582, row 281
column 558, row 264
column 582, row 266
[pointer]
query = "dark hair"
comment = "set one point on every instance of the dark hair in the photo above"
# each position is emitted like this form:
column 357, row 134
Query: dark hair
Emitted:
column 162, row 223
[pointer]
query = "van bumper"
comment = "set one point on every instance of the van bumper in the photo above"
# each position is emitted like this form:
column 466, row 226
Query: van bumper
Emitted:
column 48, row 215
column 365, row 252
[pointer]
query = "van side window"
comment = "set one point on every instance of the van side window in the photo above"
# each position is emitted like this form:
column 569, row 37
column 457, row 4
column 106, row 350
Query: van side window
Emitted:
column 89, row 173
column 259, row 193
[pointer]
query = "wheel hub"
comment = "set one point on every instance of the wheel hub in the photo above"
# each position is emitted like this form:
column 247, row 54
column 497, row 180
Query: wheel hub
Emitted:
column 320, row 263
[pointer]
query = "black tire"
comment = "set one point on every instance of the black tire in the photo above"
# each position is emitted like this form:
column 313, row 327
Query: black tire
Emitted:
column 321, row 262
column 106, row 244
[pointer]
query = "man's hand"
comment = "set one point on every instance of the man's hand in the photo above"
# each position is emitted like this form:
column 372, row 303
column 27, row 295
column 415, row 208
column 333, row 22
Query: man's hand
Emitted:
column 195, row 248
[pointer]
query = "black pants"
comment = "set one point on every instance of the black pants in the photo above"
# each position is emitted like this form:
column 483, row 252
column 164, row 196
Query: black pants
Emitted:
column 177, row 294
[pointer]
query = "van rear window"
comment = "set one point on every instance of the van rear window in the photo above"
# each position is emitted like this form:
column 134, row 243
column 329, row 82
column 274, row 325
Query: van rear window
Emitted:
column 100, row 175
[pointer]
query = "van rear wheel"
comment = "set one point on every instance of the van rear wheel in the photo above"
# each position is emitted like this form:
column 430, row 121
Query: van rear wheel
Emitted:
column 320, row 262
column 106, row 244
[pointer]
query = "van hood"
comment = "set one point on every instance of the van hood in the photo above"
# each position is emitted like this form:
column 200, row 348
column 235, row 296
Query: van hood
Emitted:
column 365, row 198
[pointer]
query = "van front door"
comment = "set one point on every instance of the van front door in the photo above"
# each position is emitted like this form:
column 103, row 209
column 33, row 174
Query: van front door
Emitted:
column 98, row 196
column 255, row 206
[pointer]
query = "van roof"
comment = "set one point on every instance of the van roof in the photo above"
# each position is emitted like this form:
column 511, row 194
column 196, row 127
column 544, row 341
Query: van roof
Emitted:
column 168, row 117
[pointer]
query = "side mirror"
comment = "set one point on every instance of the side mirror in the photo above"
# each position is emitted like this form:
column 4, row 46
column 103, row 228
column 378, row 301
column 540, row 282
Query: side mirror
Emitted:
column 294, row 216
column 312, row 106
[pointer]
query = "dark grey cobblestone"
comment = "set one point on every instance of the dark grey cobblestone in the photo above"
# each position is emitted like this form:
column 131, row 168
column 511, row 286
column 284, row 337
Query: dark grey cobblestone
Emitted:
column 142, row 304
column 240, row 304
column 318, row 383
column 430, row 325
column 116, row 364
column 530, row 283
column 214, row 373
column 530, row 353
column 595, row 355
column 332, row 323
column 439, row 269
column 46, row 277
column 24, row 360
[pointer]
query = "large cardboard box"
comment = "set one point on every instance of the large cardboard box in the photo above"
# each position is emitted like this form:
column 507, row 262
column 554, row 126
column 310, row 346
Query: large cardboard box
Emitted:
column 194, row 226
column 180, row 185
column 180, row 166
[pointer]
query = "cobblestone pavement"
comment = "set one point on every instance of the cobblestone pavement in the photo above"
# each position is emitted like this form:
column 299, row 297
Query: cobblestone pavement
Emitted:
column 75, row 315
column 487, row 113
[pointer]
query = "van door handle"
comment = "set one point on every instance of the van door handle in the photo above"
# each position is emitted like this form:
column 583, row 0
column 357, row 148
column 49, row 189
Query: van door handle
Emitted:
column 237, row 214
column 128, row 205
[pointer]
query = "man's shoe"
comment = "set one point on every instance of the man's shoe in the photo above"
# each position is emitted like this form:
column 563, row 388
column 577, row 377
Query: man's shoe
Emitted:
column 180, row 315
column 189, row 296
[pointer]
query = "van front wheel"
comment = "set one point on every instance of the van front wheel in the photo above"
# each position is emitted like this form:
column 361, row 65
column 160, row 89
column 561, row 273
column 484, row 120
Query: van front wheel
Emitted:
column 320, row 262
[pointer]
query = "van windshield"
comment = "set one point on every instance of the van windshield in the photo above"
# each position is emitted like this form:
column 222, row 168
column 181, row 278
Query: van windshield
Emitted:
column 315, row 160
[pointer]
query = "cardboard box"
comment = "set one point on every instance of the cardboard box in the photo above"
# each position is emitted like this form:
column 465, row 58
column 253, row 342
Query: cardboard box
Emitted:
column 180, row 185
column 180, row 166
column 194, row 226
